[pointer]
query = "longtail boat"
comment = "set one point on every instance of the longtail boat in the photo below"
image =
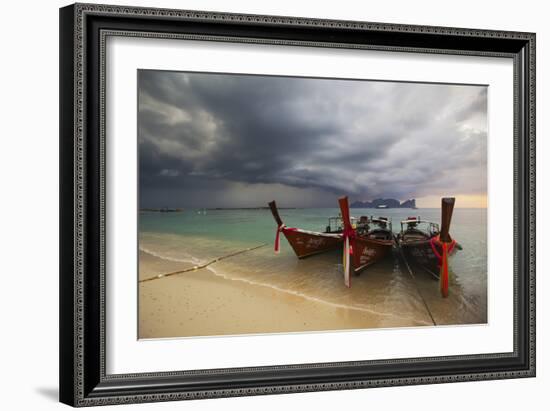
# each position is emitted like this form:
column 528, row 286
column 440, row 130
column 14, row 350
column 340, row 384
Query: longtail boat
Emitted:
column 306, row 243
column 424, row 245
column 369, row 241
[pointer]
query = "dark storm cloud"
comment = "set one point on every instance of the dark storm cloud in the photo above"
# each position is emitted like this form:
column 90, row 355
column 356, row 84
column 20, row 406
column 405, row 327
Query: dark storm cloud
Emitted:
column 202, row 137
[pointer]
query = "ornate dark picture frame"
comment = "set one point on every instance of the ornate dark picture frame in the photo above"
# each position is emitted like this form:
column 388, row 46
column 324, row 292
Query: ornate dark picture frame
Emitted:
column 83, row 30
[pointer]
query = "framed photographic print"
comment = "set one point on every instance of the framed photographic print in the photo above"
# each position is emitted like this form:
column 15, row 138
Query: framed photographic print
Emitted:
column 262, row 204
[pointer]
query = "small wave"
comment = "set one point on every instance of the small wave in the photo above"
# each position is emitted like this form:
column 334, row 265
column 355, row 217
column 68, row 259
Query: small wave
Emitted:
column 196, row 261
column 313, row 298
column 188, row 259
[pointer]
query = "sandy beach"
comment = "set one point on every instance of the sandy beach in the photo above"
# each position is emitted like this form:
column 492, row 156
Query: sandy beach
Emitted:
column 281, row 294
column 201, row 303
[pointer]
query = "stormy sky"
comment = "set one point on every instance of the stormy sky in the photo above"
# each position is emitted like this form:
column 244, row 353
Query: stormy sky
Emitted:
column 225, row 140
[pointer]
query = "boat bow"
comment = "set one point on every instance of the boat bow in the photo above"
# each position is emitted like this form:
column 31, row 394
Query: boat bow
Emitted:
column 280, row 225
column 305, row 243
column 447, row 243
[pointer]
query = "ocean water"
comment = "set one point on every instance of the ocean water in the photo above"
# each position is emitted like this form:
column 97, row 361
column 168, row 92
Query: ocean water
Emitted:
column 386, row 289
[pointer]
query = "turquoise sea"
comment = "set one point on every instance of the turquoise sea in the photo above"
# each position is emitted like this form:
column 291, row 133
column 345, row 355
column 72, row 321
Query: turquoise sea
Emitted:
column 196, row 236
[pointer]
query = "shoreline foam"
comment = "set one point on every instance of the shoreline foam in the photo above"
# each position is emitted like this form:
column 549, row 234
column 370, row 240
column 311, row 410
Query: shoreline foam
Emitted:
column 212, row 301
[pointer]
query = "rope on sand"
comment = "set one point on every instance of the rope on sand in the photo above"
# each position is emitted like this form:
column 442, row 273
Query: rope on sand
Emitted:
column 198, row 267
column 416, row 286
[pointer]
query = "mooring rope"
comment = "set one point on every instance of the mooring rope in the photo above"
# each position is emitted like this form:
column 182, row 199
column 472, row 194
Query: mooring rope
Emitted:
column 416, row 285
column 198, row 267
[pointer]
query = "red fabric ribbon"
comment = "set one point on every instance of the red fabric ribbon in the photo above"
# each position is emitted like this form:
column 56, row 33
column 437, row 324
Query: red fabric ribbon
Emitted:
column 443, row 264
column 435, row 240
column 280, row 229
column 348, row 234
column 444, row 273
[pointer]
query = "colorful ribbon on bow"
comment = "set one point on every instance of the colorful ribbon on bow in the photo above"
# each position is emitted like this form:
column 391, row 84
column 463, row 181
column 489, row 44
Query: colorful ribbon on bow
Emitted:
column 446, row 249
column 348, row 234
column 435, row 240
column 444, row 272
column 278, row 238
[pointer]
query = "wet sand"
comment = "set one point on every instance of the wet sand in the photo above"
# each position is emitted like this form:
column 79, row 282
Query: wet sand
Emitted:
column 204, row 303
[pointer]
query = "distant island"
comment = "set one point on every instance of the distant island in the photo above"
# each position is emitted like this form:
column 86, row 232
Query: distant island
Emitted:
column 384, row 203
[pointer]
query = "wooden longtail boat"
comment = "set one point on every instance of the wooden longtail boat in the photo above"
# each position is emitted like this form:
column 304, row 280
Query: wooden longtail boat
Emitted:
column 369, row 241
column 424, row 245
column 307, row 243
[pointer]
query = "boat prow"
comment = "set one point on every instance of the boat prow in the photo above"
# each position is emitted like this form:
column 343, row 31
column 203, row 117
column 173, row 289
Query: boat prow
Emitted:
column 305, row 243
column 372, row 239
column 427, row 246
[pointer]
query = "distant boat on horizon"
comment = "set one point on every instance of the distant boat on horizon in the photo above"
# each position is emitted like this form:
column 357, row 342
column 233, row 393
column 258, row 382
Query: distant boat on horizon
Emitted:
column 162, row 210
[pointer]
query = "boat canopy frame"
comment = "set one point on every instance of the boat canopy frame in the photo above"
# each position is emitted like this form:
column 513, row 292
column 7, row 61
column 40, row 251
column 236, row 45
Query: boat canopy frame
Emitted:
column 431, row 227
column 336, row 224
column 381, row 221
